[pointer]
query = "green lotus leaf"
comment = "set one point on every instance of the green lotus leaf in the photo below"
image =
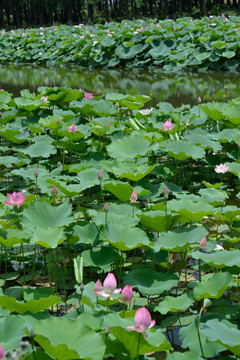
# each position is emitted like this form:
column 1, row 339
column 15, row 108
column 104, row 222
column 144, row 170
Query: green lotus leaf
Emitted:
column 103, row 108
column 102, row 257
column 118, row 213
column 14, row 135
column 160, row 51
column 125, row 52
column 219, row 259
column 11, row 331
column 150, row 282
column 87, row 233
column 33, row 306
column 27, row 104
column 12, row 237
column 188, row 355
column 66, row 115
column 38, row 355
column 122, row 191
column 226, row 134
column 128, row 169
column 64, row 338
column 156, row 220
column 232, row 113
column 234, row 168
column 213, row 196
column 41, row 214
column 28, row 173
column 201, row 138
column 124, row 238
column 222, row 332
column 5, row 97
column 107, row 42
column 68, row 190
column 191, row 210
column 214, row 287
column 182, row 149
column 8, row 115
column 174, row 304
column 189, row 338
column 48, row 238
column 128, row 147
column 214, row 110
column 42, row 147
column 156, row 341
column 179, row 239
column 229, row 54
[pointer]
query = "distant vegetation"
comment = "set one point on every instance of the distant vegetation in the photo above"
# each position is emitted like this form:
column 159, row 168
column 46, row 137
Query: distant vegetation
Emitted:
column 33, row 13
column 208, row 43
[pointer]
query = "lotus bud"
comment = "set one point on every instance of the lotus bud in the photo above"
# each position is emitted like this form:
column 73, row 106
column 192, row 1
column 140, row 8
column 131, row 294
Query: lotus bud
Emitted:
column 100, row 175
column 57, row 121
column 97, row 287
column 1, row 353
column 127, row 294
column 107, row 330
column 166, row 192
column 153, row 135
column 36, row 173
column 207, row 303
column 54, row 191
column 106, row 207
column 199, row 99
column 32, row 334
column 134, row 197
column 203, row 242
column 82, row 287
column 117, row 104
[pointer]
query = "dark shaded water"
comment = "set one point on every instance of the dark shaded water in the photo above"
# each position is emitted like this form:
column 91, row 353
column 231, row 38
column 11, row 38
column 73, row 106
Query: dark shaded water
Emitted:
column 176, row 88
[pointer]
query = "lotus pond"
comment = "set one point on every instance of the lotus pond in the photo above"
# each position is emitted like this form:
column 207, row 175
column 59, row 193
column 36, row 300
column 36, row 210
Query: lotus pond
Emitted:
column 177, row 88
column 120, row 227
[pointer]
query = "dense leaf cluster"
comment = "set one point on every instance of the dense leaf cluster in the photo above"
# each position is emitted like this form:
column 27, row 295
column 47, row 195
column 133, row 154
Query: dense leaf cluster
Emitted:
column 152, row 243
column 209, row 43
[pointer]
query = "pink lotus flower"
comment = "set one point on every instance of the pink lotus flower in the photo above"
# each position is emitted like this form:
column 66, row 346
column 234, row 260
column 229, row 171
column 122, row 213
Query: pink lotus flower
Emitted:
column 15, row 199
column 106, row 207
column 1, row 352
column 166, row 192
column 142, row 321
column 73, row 129
column 167, row 126
column 54, row 191
column 134, row 197
column 100, row 175
column 126, row 295
column 203, row 242
column 110, row 286
column 221, row 169
column 88, row 96
column 97, row 287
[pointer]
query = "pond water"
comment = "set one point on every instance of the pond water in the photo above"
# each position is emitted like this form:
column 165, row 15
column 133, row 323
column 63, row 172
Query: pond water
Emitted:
column 176, row 88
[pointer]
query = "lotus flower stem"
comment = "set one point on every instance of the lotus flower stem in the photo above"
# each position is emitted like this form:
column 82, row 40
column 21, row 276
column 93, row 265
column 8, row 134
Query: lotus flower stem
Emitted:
column 238, row 292
column 199, row 337
column 23, row 263
column 199, row 270
column 108, row 305
column 138, row 346
column 34, row 259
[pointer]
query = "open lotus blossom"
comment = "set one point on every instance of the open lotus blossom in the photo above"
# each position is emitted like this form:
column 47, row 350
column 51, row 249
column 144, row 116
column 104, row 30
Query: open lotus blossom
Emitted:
column 221, row 169
column 126, row 295
column 203, row 242
column 88, row 96
column 142, row 321
column 1, row 353
column 97, row 287
column 73, row 129
column 167, row 126
column 15, row 199
column 110, row 286
column 218, row 247
column 133, row 197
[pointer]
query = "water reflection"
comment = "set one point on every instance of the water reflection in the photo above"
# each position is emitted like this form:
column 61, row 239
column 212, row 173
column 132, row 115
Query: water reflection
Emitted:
column 178, row 88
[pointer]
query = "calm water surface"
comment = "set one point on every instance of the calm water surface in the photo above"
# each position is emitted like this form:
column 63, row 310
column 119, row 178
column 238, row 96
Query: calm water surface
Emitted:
column 176, row 88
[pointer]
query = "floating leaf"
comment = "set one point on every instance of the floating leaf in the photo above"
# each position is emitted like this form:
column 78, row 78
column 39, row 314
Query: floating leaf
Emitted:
column 174, row 304
column 214, row 287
